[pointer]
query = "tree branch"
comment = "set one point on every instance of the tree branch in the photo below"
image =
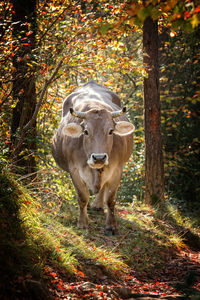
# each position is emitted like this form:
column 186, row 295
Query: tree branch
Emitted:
column 32, row 120
column 52, row 24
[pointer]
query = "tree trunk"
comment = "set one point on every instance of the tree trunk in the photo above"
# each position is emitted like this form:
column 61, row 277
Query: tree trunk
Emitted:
column 154, row 168
column 24, row 87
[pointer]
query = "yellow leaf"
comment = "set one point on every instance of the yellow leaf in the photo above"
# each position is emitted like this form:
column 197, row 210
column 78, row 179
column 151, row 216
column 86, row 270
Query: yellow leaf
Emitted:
column 195, row 21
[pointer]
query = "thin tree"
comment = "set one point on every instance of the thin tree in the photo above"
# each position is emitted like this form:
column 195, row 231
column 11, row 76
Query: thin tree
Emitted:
column 24, row 82
column 154, row 168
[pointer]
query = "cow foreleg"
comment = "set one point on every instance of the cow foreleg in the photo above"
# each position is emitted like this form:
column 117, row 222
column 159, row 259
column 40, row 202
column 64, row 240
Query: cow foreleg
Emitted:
column 83, row 199
column 83, row 218
column 111, row 226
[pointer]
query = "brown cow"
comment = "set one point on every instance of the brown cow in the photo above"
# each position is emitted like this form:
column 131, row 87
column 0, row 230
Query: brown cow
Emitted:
column 92, row 143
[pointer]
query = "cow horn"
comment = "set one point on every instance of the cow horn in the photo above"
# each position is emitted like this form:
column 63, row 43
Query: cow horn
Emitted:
column 78, row 114
column 118, row 113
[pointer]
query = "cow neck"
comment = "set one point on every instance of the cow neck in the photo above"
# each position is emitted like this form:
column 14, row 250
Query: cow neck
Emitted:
column 100, row 171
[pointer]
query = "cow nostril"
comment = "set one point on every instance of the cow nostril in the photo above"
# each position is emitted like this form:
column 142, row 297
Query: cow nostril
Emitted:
column 94, row 157
column 101, row 158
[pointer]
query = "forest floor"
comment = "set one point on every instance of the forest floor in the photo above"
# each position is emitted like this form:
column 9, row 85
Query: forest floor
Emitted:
column 180, row 279
column 173, row 272
column 43, row 255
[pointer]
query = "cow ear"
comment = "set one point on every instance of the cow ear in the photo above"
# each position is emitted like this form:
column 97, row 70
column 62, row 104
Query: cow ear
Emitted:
column 73, row 130
column 124, row 128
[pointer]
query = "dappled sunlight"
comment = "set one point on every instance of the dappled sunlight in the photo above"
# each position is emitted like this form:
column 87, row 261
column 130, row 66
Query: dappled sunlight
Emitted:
column 147, row 52
column 88, row 252
column 83, row 247
column 138, row 260
column 161, row 230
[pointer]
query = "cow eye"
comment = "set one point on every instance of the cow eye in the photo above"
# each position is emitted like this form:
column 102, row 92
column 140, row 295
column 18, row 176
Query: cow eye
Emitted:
column 111, row 131
column 86, row 132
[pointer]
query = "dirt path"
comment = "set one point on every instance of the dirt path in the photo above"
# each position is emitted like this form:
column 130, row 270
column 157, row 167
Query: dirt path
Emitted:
column 180, row 279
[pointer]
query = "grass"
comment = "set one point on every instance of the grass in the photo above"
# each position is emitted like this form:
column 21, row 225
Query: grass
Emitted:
column 41, row 231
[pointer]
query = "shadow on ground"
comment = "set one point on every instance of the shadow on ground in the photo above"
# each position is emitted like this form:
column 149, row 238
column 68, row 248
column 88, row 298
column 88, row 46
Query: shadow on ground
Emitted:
column 20, row 273
column 151, row 247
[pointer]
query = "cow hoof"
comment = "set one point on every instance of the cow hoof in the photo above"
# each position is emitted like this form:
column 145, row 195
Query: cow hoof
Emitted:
column 83, row 227
column 110, row 231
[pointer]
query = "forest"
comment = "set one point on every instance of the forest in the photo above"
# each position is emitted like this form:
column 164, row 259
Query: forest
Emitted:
column 147, row 52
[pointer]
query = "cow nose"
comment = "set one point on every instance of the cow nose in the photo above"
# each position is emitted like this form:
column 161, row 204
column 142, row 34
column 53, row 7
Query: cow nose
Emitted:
column 99, row 158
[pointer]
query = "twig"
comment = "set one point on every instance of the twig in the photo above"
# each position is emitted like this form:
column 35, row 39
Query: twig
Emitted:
column 132, row 80
column 119, row 242
column 5, row 99
column 52, row 24
column 47, row 82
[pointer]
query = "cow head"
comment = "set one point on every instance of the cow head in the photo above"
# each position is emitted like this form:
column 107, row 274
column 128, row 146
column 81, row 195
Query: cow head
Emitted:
column 98, row 128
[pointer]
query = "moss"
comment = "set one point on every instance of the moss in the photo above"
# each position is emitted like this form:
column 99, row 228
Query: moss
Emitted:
column 18, row 259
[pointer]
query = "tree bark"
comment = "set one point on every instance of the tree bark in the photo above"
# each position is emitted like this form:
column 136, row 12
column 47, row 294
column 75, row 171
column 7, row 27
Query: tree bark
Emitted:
column 24, row 81
column 154, row 167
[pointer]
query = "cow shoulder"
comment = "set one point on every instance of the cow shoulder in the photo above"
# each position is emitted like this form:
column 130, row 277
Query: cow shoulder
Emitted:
column 104, row 92
column 92, row 92
column 115, row 99
column 68, row 102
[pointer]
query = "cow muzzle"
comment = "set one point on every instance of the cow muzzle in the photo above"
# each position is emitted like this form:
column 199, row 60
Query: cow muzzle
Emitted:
column 98, row 160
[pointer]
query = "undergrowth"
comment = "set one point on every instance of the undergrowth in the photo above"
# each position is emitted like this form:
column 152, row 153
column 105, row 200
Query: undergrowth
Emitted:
column 39, row 231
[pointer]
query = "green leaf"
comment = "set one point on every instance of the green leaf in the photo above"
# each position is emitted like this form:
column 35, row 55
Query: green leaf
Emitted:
column 104, row 28
column 143, row 13
column 155, row 13
column 137, row 21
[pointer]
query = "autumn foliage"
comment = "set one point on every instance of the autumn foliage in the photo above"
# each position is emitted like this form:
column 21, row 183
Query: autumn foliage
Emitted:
column 44, row 56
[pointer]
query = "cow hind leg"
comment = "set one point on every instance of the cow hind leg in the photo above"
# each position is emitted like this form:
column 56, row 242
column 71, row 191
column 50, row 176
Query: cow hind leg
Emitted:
column 98, row 203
